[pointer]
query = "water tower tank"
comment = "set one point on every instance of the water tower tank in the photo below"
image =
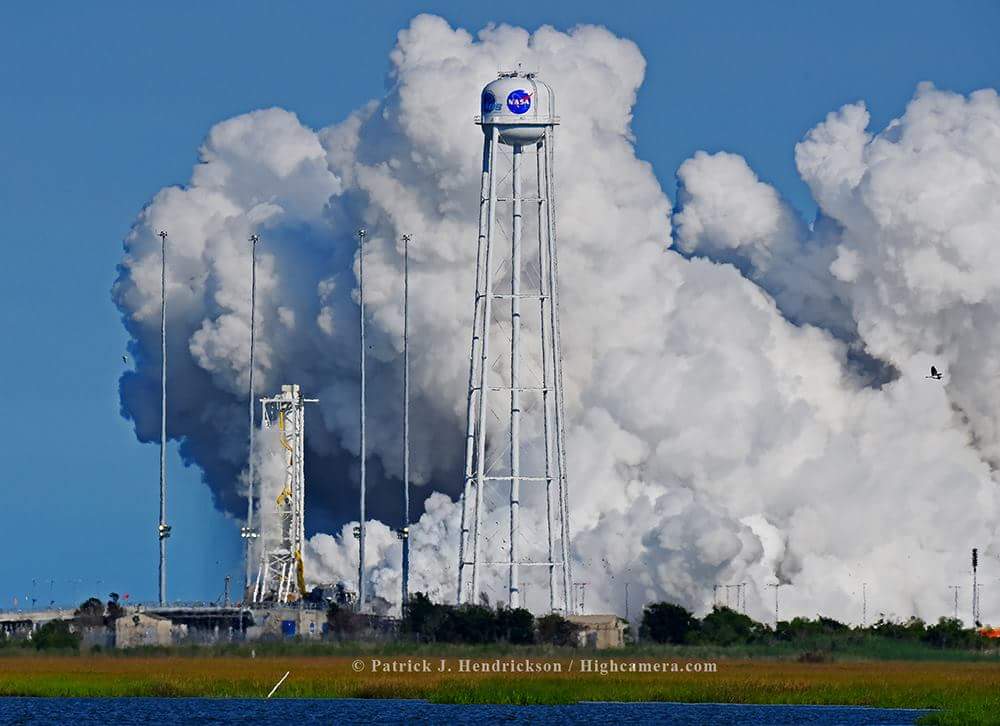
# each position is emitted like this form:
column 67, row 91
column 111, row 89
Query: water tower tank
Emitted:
column 520, row 106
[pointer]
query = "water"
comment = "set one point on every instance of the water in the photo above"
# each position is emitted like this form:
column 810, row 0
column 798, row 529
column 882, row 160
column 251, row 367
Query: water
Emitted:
column 165, row 711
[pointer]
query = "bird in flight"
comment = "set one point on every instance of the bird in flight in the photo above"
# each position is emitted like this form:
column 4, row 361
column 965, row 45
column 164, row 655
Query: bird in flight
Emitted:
column 935, row 374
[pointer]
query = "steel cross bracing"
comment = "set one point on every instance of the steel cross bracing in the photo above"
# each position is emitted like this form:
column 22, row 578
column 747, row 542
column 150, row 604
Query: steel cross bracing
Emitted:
column 516, row 436
column 280, row 577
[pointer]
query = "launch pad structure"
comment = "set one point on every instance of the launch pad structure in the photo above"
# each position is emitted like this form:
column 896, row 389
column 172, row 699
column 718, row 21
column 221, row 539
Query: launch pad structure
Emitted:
column 281, row 577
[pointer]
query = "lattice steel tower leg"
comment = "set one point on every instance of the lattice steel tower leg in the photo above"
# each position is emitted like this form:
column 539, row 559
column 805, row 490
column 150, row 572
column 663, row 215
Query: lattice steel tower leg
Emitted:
column 521, row 426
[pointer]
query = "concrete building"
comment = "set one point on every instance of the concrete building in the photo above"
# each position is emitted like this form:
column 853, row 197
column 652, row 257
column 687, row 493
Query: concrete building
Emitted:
column 277, row 623
column 600, row 631
column 139, row 628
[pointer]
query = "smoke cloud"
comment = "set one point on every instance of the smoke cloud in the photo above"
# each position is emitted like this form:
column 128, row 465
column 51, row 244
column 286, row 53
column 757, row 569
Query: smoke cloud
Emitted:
column 746, row 391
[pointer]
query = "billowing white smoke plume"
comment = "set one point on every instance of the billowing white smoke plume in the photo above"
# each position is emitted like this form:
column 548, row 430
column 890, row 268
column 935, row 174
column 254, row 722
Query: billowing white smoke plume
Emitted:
column 723, row 423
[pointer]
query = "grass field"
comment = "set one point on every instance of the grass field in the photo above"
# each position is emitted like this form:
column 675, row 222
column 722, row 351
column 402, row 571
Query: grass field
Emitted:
column 968, row 692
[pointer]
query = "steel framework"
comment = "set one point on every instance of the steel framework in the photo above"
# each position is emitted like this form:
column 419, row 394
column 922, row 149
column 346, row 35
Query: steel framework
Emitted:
column 515, row 421
column 281, row 577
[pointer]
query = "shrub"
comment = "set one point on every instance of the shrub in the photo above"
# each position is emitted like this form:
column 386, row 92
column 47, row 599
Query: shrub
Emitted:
column 422, row 617
column 665, row 622
column 949, row 633
column 554, row 629
column 56, row 635
column 90, row 613
column 724, row 626
column 516, row 625
column 467, row 624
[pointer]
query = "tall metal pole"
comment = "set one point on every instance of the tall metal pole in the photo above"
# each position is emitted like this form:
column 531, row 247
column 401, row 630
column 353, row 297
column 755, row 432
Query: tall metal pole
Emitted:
column 547, row 377
column 515, row 381
column 775, row 586
column 975, row 587
column 254, row 239
column 864, row 604
column 361, row 535
column 956, row 588
column 470, row 432
column 484, row 364
column 163, row 529
column 406, row 423
column 560, row 407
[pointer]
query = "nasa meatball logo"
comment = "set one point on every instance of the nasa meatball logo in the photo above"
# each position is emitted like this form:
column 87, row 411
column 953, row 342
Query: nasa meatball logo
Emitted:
column 519, row 101
column 489, row 102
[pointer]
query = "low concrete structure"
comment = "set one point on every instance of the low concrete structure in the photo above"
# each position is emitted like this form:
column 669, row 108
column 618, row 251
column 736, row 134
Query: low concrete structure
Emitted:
column 140, row 628
column 21, row 623
column 600, row 631
column 274, row 623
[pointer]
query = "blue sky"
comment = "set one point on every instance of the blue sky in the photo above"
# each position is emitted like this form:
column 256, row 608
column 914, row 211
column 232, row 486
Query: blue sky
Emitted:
column 102, row 106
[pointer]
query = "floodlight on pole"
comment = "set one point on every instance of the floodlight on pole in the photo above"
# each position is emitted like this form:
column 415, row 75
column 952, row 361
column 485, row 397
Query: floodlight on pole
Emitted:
column 975, row 587
column 406, row 425
column 163, row 530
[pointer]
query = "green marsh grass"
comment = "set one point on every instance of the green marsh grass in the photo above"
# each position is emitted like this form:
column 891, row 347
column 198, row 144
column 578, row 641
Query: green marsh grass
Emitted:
column 966, row 691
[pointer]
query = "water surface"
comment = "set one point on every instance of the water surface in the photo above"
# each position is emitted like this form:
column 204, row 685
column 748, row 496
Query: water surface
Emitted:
column 169, row 711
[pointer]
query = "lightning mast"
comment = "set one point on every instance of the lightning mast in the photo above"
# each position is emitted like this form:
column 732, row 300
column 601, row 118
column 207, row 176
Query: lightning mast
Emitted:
column 975, row 587
column 248, row 532
column 775, row 585
column 405, row 531
column 361, row 518
column 163, row 529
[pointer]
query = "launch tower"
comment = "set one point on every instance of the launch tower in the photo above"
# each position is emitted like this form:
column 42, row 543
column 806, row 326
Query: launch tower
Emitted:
column 281, row 578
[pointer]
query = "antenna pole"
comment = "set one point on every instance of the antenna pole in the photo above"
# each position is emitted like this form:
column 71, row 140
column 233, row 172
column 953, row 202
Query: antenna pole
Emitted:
column 361, row 519
column 406, row 424
column 163, row 529
column 956, row 588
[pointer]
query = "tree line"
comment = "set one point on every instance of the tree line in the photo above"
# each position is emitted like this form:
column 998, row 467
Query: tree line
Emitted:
column 665, row 622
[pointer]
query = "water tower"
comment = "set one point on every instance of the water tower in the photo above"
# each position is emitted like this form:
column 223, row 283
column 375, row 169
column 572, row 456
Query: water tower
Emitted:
column 515, row 462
